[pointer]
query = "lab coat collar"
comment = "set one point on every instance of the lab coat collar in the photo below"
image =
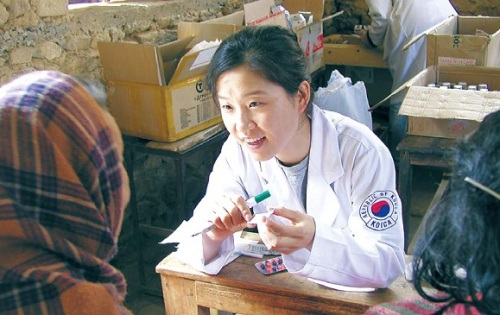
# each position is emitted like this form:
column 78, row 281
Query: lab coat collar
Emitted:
column 325, row 150
column 325, row 166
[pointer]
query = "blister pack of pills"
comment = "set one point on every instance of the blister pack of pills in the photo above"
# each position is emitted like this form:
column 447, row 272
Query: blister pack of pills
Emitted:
column 271, row 266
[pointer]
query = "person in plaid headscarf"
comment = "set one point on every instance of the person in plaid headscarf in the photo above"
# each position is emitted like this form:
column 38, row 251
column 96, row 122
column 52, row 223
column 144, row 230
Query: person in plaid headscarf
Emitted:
column 63, row 191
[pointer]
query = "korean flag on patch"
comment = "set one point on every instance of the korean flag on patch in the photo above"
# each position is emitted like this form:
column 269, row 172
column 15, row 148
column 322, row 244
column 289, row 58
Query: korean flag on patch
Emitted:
column 380, row 210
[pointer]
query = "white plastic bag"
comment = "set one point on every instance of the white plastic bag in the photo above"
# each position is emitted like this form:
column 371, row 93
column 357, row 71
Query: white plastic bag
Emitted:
column 344, row 98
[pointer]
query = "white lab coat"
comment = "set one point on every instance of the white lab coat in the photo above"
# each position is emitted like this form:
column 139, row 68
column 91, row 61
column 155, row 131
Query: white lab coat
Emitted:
column 348, row 167
column 394, row 23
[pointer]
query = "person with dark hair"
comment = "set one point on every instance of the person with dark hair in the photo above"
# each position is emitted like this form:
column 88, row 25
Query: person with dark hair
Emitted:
column 63, row 192
column 393, row 24
column 334, row 212
column 458, row 251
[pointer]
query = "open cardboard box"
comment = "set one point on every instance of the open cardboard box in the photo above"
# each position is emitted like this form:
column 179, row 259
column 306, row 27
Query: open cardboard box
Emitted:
column 156, row 92
column 210, row 30
column 463, row 40
column 310, row 37
column 258, row 13
column 449, row 113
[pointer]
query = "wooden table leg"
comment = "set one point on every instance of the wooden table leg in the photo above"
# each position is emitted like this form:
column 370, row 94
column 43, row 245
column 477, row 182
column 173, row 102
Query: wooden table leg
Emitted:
column 405, row 183
column 180, row 297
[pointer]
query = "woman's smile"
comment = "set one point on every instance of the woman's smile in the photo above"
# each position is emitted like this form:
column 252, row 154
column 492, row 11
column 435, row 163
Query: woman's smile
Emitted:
column 254, row 143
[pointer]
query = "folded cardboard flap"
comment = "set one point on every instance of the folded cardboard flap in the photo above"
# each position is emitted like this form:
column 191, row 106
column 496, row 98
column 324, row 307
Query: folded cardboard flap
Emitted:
column 175, row 49
column 463, row 40
column 436, row 73
column 450, row 22
column 131, row 62
column 423, row 101
column 193, row 65
column 461, row 25
column 141, row 63
column 450, row 113
column 469, row 25
column 208, row 31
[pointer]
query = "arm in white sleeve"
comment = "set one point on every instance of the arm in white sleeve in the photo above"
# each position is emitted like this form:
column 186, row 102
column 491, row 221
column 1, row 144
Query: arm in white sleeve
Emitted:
column 379, row 12
column 192, row 250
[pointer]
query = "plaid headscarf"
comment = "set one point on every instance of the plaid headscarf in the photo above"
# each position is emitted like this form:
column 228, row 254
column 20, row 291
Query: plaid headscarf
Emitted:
column 63, row 191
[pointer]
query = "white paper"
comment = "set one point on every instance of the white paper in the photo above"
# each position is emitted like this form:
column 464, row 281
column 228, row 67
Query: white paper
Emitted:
column 184, row 231
column 257, row 217
column 203, row 58
column 341, row 287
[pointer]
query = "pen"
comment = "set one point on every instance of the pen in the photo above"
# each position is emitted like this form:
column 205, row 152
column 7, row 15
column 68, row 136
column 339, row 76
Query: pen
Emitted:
column 250, row 202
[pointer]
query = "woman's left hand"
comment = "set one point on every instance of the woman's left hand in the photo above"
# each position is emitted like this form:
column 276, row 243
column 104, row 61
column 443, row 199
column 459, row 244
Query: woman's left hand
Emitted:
column 287, row 239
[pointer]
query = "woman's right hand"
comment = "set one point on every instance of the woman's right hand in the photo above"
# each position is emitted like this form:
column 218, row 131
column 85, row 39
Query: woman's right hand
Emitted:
column 230, row 214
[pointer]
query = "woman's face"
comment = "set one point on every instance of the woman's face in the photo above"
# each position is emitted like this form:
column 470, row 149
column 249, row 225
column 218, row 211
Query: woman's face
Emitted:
column 263, row 117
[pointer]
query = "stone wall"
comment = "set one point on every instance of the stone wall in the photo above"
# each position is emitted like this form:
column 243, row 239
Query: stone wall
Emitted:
column 46, row 34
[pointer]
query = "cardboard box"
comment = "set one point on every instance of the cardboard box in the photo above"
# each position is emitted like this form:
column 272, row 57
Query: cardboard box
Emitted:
column 449, row 113
column 156, row 92
column 310, row 37
column 464, row 40
column 210, row 30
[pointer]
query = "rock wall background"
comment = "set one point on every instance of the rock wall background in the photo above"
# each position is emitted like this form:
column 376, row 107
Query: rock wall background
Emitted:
column 46, row 34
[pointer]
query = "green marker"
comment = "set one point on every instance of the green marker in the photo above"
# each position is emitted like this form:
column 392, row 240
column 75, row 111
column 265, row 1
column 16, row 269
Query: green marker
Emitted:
column 260, row 197
column 250, row 202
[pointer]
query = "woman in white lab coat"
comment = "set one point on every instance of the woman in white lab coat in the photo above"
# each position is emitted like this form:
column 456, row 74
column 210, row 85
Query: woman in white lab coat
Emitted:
column 337, row 216
column 393, row 24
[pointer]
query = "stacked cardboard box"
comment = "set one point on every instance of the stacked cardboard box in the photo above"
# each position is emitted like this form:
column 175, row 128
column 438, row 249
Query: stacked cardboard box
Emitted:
column 463, row 40
column 450, row 113
column 310, row 36
column 460, row 49
column 156, row 92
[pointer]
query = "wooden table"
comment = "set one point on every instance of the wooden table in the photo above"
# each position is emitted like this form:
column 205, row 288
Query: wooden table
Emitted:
column 241, row 288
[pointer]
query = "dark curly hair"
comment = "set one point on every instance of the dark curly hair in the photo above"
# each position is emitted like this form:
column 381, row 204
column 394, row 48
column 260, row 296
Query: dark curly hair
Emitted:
column 458, row 252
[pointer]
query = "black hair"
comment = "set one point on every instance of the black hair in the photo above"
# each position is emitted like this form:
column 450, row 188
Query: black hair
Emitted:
column 271, row 50
column 458, row 252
